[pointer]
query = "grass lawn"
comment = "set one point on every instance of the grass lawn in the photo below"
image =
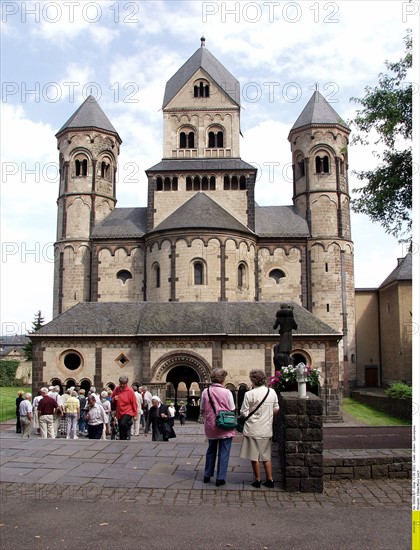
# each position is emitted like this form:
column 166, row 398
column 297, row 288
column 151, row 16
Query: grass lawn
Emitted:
column 8, row 401
column 369, row 416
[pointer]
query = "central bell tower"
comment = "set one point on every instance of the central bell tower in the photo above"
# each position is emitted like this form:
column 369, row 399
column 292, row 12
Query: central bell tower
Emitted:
column 201, row 131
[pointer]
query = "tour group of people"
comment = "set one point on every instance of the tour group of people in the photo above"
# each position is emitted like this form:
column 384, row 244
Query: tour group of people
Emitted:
column 117, row 413
column 121, row 412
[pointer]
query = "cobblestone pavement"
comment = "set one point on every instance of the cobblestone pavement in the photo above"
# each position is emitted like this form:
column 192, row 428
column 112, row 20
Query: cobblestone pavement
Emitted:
column 83, row 469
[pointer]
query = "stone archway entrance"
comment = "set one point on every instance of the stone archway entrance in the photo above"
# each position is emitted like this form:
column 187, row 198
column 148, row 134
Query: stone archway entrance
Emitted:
column 183, row 369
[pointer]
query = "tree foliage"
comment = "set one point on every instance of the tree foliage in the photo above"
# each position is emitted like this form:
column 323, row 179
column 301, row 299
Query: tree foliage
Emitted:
column 387, row 114
column 36, row 325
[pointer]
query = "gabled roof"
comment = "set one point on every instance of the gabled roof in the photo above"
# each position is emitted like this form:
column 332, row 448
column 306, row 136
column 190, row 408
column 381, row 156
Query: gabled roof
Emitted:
column 202, row 59
column 89, row 115
column 403, row 271
column 201, row 212
column 279, row 221
column 185, row 318
column 122, row 222
column 318, row 111
column 195, row 165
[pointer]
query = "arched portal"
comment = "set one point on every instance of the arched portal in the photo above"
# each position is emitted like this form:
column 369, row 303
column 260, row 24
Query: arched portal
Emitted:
column 184, row 370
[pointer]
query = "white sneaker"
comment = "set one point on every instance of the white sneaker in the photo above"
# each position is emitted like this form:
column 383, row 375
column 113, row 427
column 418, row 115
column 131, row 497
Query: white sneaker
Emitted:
column 76, row 437
column 67, row 437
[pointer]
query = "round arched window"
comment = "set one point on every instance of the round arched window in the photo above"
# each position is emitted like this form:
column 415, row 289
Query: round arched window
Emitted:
column 124, row 275
column 72, row 360
column 277, row 275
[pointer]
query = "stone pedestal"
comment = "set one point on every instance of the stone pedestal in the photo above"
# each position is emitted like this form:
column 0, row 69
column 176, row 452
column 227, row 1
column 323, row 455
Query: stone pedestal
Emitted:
column 300, row 440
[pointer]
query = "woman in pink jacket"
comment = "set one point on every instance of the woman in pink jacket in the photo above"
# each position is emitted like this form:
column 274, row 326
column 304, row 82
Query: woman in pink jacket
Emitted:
column 220, row 441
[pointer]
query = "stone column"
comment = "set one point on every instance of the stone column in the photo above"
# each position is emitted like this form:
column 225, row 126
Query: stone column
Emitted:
column 300, row 437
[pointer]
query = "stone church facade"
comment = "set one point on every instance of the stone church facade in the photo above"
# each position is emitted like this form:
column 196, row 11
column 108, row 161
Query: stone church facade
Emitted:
column 193, row 280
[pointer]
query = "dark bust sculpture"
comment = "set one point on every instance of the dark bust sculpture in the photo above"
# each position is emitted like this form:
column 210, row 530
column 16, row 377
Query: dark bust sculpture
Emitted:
column 286, row 323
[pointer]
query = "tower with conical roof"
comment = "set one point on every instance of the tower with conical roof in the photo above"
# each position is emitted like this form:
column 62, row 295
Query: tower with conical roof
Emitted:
column 319, row 140
column 88, row 147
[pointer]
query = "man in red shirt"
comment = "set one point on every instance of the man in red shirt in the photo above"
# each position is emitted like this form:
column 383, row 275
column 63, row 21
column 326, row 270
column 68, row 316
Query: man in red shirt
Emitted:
column 125, row 404
column 47, row 406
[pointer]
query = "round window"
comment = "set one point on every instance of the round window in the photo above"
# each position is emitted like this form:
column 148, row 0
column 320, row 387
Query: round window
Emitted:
column 72, row 361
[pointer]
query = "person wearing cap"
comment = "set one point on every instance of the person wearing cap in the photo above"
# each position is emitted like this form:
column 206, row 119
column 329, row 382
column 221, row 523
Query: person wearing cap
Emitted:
column 159, row 419
column 72, row 410
column 125, row 404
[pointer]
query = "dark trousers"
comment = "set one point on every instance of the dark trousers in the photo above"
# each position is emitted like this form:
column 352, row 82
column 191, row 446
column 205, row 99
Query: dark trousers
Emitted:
column 124, row 426
column 18, row 426
column 95, row 432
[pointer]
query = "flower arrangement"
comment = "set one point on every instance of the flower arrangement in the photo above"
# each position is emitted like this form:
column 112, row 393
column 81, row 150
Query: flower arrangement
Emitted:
column 289, row 374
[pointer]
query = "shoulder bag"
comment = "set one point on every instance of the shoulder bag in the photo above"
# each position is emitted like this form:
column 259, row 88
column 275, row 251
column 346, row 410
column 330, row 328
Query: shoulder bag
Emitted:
column 242, row 419
column 225, row 420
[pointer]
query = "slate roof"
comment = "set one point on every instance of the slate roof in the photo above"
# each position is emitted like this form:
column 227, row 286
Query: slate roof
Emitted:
column 403, row 271
column 89, row 115
column 196, row 165
column 201, row 212
column 318, row 111
column 205, row 60
column 122, row 222
column 178, row 318
column 279, row 221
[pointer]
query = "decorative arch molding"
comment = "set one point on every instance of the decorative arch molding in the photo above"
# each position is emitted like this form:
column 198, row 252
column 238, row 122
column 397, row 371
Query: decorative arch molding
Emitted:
column 287, row 249
column 321, row 196
column 106, row 152
column 322, row 147
column 188, row 358
column 305, row 353
column 79, row 149
column 129, row 250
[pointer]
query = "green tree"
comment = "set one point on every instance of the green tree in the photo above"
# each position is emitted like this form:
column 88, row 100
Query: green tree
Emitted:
column 36, row 325
column 387, row 114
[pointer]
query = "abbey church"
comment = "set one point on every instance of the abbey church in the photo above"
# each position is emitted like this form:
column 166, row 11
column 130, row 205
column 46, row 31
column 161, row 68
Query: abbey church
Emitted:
column 192, row 281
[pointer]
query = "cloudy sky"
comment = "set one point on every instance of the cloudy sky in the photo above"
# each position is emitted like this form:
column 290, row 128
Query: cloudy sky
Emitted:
column 54, row 54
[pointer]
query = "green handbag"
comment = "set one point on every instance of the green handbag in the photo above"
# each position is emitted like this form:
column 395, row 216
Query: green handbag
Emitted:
column 225, row 420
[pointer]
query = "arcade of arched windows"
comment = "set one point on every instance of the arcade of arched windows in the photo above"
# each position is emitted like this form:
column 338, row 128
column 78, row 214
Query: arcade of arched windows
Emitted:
column 167, row 183
column 200, row 183
column 234, row 182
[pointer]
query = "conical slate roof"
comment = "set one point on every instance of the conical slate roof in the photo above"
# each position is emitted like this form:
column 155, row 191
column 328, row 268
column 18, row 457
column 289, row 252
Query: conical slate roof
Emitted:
column 201, row 212
column 203, row 59
column 318, row 111
column 89, row 115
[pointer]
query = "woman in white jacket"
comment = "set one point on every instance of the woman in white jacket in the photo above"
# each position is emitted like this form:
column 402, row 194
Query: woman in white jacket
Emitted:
column 258, row 429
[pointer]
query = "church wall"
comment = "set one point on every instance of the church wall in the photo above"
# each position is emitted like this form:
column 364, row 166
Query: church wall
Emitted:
column 159, row 257
column 367, row 336
column 236, row 255
column 326, row 284
column 324, row 215
column 113, row 367
column 167, row 202
column 240, row 359
column 53, row 358
column 289, row 288
column 76, row 281
column 78, row 218
column 396, row 332
column 186, row 290
column 112, row 287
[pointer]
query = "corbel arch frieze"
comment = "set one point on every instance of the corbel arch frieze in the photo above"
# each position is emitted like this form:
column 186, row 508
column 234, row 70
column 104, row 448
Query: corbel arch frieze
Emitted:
column 181, row 357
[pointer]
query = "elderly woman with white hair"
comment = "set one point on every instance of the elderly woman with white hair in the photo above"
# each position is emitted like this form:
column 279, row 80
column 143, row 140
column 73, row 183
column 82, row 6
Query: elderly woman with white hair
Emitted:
column 159, row 419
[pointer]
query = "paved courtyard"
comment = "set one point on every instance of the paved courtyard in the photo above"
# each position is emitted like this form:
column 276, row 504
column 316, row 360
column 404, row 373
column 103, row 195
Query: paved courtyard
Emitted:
column 100, row 482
